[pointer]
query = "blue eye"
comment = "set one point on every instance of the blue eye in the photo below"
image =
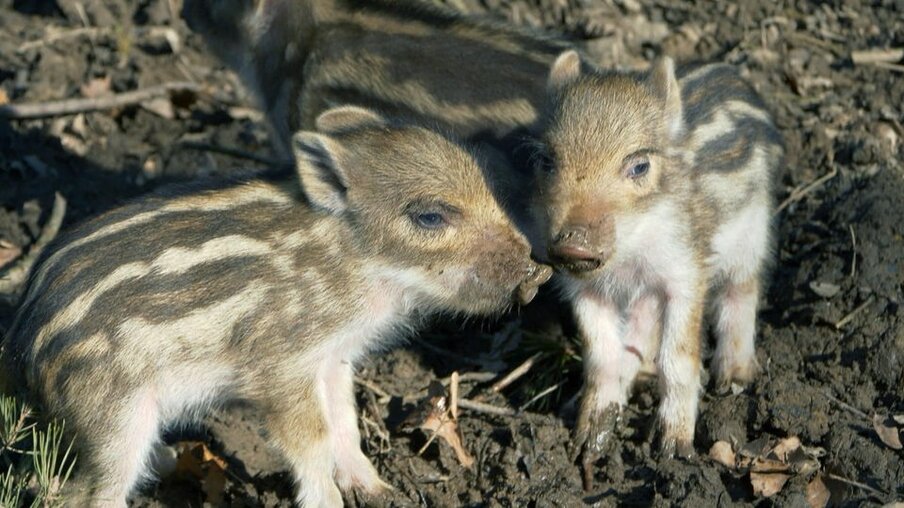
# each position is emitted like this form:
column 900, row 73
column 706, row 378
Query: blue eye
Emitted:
column 639, row 169
column 430, row 220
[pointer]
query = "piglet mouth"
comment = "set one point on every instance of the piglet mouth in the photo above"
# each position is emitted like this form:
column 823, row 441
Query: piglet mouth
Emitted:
column 575, row 261
column 527, row 290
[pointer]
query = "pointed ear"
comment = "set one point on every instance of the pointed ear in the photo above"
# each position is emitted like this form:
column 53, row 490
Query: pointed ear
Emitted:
column 665, row 84
column 565, row 70
column 317, row 161
column 347, row 117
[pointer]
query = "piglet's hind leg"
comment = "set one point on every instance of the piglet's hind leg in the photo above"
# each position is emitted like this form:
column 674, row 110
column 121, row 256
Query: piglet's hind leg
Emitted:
column 735, row 356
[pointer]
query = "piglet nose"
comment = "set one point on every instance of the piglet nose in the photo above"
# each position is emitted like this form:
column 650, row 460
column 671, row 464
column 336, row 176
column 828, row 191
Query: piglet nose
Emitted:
column 571, row 250
column 537, row 275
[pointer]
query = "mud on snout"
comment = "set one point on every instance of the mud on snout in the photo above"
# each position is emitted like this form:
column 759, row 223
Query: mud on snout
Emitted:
column 500, row 279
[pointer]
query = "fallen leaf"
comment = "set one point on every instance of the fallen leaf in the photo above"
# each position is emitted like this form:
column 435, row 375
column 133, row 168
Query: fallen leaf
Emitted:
column 767, row 465
column 96, row 87
column 196, row 460
column 768, row 484
column 161, row 106
column 785, row 447
column 8, row 252
column 434, row 417
column 817, row 493
column 722, row 453
column 824, row 289
column 889, row 434
column 899, row 419
column 4, row 99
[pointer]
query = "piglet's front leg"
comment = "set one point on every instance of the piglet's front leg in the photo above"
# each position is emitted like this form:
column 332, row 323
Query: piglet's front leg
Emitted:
column 600, row 325
column 679, row 368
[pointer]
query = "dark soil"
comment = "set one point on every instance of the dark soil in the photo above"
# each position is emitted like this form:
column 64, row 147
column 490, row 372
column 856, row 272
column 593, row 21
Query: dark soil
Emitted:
column 844, row 237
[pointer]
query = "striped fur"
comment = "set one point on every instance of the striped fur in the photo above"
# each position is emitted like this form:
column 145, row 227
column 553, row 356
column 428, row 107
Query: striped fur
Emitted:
column 152, row 313
column 480, row 79
column 645, row 253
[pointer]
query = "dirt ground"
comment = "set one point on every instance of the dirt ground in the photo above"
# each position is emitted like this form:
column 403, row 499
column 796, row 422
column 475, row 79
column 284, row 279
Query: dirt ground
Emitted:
column 831, row 338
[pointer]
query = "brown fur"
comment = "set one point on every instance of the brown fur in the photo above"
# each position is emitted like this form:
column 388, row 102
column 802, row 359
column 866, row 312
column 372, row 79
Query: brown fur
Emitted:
column 152, row 313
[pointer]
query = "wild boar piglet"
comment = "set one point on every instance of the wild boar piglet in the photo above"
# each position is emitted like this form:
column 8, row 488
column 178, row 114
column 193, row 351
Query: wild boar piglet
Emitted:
column 151, row 314
column 656, row 196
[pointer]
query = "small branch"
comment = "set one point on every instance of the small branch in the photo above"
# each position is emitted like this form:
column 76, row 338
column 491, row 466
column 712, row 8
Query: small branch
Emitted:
column 539, row 396
column 73, row 106
column 856, row 484
column 853, row 251
column 798, row 193
column 453, row 395
column 482, row 407
column 58, row 35
column 873, row 56
column 12, row 280
column 852, row 314
column 845, row 405
column 515, row 374
column 373, row 387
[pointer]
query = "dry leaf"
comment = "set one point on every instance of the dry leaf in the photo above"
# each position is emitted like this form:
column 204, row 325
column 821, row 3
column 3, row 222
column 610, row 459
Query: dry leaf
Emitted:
column 784, row 448
column 767, row 465
column 768, row 484
column 722, row 453
column 161, row 106
column 817, row 493
column 4, row 99
column 436, row 420
column 887, row 433
column 825, row 289
column 8, row 252
column 96, row 87
column 196, row 460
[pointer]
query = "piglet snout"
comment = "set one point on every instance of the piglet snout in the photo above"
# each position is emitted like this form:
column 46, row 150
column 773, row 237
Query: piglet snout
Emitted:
column 574, row 251
column 537, row 275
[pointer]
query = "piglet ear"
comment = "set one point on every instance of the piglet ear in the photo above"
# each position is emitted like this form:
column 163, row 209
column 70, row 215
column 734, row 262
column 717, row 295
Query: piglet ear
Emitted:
column 347, row 118
column 317, row 161
column 565, row 70
column 665, row 84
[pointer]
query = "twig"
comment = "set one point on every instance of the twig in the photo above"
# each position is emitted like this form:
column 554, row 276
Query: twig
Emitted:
column 845, row 405
column 58, row 35
column 453, row 395
column 847, row 319
column 874, row 56
column 515, row 374
column 72, row 106
column 483, row 407
column 373, row 387
column 798, row 193
column 889, row 66
column 853, row 251
column 539, row 396
column 233, row 152
column 856, row 484
column 12, row 280
column 432, row 437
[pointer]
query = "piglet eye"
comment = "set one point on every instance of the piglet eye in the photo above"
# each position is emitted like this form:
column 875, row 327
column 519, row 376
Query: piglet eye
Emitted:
column 638, row 169
column 429, row 220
